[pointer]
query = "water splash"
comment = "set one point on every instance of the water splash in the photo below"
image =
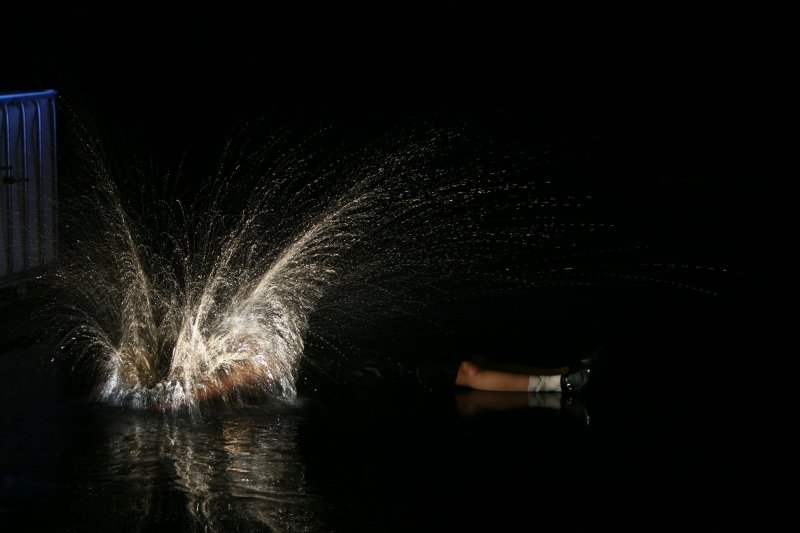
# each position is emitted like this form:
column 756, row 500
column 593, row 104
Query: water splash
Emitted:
column 175, row 303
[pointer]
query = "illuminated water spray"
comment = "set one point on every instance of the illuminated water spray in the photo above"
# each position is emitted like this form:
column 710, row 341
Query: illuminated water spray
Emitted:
column 174, row 304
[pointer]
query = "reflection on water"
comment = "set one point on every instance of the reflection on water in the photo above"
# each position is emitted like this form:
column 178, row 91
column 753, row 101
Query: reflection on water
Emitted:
column 472, row 402
column 232, row 471
column 347, row 460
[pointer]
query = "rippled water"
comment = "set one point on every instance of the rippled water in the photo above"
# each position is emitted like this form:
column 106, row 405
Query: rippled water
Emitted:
column 360, row 461
column 238, row 468
column 345, row 458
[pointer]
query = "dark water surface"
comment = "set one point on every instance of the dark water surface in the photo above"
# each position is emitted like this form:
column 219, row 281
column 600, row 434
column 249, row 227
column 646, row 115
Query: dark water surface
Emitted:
column 384, row 456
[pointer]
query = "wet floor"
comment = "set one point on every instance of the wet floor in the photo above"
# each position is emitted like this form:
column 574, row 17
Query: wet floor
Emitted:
column 350, row 457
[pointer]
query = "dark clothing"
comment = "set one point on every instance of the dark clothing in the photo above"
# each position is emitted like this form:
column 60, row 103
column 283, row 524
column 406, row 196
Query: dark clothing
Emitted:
column 438, row 373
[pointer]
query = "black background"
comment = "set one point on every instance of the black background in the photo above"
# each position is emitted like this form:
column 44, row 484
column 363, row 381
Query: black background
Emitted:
column 651, row 110
column 655, row 110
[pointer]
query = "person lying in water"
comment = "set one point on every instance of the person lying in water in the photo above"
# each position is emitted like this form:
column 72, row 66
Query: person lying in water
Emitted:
column 475, row 373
